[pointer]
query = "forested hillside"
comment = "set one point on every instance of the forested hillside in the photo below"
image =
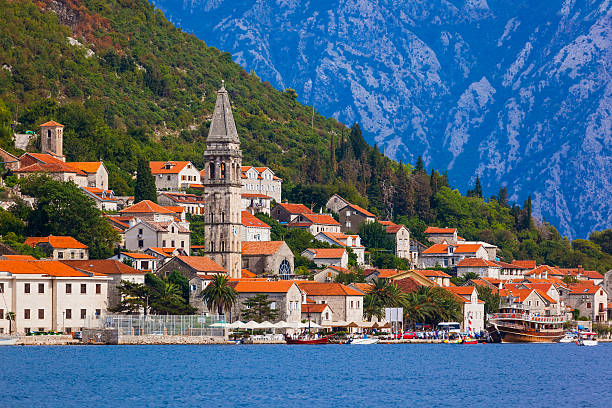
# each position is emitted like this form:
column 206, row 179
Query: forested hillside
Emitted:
column 127, row 84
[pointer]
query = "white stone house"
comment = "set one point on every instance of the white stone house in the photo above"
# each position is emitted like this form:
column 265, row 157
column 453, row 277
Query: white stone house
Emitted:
column 343, row 240
column 401, row 236
column 146, row 234
column 256, row 203
column 105, row 199
column 447, row 255
column 327, row 256
column 138, row 260
column 286, row 298
column 192, row 203
column 315, row 223
column 174, row 175
column 471, row 307
column 261, row 180
column 97, row 174
column 253, row 229
column 345, row 302
column 49, row 295
column 59, row 247
column 336, row 203
column 329, row 274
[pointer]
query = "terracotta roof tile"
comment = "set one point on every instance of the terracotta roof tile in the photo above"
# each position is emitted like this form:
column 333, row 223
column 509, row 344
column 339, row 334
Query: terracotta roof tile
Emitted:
column 45, row 267
column 50, row 168
column 245, row 273
column 201, row 264
column 466, row 262
column 56, row 242
column 436, row 230
column 432, row 274
column 138, row 255
column 249, row 220
column 527, row 264
column 104, row 266
column 467, row 248
column 87, row 167
column 361, row 210
column 328, row 289
column 260, row 286
column 295, row 208
column 313, row 307
column 321, row 219
column 436, row 249
column 146, row 207
column 19, row 257
column 158, row 167
column 261, row 247
column 327, row 253
column 52, row 123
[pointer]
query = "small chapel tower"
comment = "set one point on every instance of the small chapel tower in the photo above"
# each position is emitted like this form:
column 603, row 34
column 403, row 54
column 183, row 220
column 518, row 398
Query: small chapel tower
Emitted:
column 51, row 138
column 222, row 189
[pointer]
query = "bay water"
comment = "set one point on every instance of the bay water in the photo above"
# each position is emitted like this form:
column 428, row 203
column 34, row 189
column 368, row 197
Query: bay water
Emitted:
column 415, row 375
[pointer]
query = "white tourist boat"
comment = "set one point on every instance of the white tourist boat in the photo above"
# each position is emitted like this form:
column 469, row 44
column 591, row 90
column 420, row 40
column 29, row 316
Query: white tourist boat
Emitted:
column 364, row 340
column 587, row 339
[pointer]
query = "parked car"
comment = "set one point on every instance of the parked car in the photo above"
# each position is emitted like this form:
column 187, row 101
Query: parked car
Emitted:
column 77, row 335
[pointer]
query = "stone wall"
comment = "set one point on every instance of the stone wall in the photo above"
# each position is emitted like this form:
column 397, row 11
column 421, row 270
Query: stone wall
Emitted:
column 154, row 339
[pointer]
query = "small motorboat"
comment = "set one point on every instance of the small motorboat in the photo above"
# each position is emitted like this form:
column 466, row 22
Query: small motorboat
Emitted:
column 569, row 337
column 587, row 339
column 306, row 340
column 468, row 340
column 364, row 340
column 8, row 341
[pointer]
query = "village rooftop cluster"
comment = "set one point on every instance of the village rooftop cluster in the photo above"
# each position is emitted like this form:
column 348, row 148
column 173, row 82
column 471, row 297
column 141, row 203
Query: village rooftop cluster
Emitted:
column 67, row 291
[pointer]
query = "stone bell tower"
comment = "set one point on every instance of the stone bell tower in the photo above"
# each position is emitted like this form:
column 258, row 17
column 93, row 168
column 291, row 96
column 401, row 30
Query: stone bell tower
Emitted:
column 52, row 138
column 222, row 189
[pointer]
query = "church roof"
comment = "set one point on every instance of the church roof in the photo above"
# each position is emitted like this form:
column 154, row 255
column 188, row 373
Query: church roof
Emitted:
column 223, row 127
column 52, row 123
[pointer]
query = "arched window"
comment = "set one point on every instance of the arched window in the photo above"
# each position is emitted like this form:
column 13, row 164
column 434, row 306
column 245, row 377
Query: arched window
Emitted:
column 222, row 246
column 285, row 270
column 222, row 217
column 212, row 171
column 222, row 170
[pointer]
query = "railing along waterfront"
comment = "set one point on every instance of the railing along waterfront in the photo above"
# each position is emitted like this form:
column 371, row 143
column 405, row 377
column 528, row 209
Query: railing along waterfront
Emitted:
column 527, row 317
column 160, row 325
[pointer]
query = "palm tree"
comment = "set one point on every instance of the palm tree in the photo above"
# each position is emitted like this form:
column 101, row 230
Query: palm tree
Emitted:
column 371, row 307
column 419, row 306
column 169, row 293
column 10, row 316
column 387, row 294
column 219, row 294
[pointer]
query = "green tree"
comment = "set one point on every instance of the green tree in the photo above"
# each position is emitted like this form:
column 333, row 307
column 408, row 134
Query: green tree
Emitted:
column 603, row 239
column 219, row 294
column 386, row 294
column 134, row 298
column 490, row 298
column 181, row 282
column 420, row 166
column 145, row 183
column 10, row 316
column 166, row 298
column 62, row 209
column 374, row 235
column 372, row 307
column 259, row 308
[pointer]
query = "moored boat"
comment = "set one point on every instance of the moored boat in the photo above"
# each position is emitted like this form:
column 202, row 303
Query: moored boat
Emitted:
column 364, row 340
column 306, row 340
column 569, row 337
column 8, row 341
column 513, row 325
column 587, row 339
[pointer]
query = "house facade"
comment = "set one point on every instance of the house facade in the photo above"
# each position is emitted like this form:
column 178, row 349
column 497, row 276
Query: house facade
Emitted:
column 268, row 258
column 261, row 180
column 174, row 175
column 59, row 247
column 327, row 256
column 286, row 298
column 192, row 203
column 343, row 240
column 472, row 308
column 253, row 229
column 285, row 212
column 146, row 234
column 447, row 255
column 479, row 266
column 352, row 216
column 315, row 223
column 105, row 199
column 336, row 203
column 345, row 302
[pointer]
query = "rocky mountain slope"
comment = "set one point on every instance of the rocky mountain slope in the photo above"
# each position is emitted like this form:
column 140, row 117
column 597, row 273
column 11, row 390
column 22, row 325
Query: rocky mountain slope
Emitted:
column 518, row 92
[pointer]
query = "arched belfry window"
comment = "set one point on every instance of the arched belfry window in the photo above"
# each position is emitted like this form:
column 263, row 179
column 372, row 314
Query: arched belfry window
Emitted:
column 212, row 171
column 222, row 170
column 223, row 217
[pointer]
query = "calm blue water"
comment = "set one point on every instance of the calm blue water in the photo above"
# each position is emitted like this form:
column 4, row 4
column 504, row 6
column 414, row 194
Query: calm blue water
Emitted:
column 516, row 375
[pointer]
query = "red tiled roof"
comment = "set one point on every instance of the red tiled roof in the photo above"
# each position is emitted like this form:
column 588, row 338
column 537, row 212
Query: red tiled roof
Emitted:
column 50, row 168
column 45, row 267
column 407, row 285
column 327, row 253
column 260, row 286
column 245, row 273
column 261, row 247
column 363, row 287
column 382, row 273
column 467, row 248
column 465, row 262
column 436, row 230
column 322, row 219
column 295, row 208
column 432, row 274
column 436, row 249
column 146, row 207
column 104, row 267
column 19, row 257
column 578, row 288
column 313, row 307
column 158, row 167
column 328, row 289
column 52, row 123
column 361, row 210
column 201, row 264
column 87, row 167
column 461, row 290
column 527, row 264
column 249, row 220
column 256, row 195
column 43, row 157
column 56, row 242
column 138, row 255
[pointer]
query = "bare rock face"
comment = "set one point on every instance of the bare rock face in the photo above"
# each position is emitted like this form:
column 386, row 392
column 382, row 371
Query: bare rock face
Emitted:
column 518, row 92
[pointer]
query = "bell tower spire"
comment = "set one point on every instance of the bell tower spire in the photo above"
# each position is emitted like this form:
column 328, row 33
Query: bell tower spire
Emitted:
column 222, row 188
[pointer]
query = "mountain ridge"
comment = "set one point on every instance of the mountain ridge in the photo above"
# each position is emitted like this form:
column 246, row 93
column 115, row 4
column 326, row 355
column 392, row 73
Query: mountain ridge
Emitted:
column 517, row 93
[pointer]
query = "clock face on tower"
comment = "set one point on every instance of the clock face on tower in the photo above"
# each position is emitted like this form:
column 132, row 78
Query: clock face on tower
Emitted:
column 236, row 231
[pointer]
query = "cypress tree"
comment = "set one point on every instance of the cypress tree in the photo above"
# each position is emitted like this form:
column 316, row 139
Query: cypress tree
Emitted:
column 145, row 183
column 420, row 166
column 502, row 197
